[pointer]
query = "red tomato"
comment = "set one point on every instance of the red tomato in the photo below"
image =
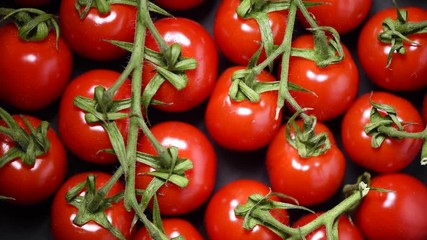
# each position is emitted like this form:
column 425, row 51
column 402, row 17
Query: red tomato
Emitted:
column 241, row 125
column 335, row 86
column 347, row 14
column 393, row 155
column 179, row 5
column 32, row 74
column 30, row 185
column 63, row 213
column 310, row 180
column 173, row 227
column 397, row 214
column 239, row 38
column 196, row 43
column 87, row 140
column 222, row 223
column 191, row 144
column 346, row 229
column 86, row 36
column 407, row 72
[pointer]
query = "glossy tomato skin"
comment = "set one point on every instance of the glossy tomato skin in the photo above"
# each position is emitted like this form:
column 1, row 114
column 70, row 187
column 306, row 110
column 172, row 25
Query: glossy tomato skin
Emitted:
column 407, row 72
column 397, row 214
column 311, row 180
column 192, row 144
column 196, row 43
column 222, row 223
column 86, row 36
column 30, row 185
column 393, row 155
column 334, row 86
column 32, row 74
column 179, row 5
column 242, row 126
column 83, row 139
column 346, row 229
column 62, row 213
column 173, row 227
column 348, row 14
column 239, row 38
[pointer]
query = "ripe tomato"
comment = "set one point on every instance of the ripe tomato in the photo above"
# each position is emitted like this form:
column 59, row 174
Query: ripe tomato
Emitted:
column 221, row 221
column 173, row 227
column 63, row 213
column 196, row 43
column 407, row 72
column 239, row 38
column 85, row 140
column 348, row 14
column 86, row 36
column 346, row 229
column 32, row 74
column 310, row 180
column 393, row 155
column 335, row 86
column 397, row 214
column 179, row 5
column 242, row 125
column 30, row 185
column 191, row 144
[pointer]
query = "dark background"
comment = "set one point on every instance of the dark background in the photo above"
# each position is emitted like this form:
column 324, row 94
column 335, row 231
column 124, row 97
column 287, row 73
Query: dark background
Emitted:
column 33, row 223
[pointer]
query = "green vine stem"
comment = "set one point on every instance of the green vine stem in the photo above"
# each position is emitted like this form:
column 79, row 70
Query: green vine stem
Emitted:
column 257, row 212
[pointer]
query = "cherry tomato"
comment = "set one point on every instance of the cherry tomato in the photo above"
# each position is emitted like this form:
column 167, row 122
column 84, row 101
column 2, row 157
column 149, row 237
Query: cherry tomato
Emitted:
column 334, row 86
column 221, row 221
column 192, row 144
column 346, row 229
column 393, row 155
column 241, row 125
column 32, row 74
column 310, row 180
column 87, row 36
column 63, row 213
column 347, row 14
column 85, row 140
column 173, row 227
column 196, row 43
column 179, row 5
column 399, row 213
column 239, row 38
column 30, row 185
column 407, row 71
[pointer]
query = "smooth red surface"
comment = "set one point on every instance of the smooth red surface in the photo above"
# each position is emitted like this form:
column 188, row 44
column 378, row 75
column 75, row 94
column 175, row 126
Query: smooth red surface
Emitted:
column 407, row 72
column 192, row 144
column 241, row 125
column 62, row 213
column 87, row 140
column 393, row 155
column 32, row 74
column 397, row 214
column 196, row 43
column 334, row 87
column 173, row 227
column 31, row 185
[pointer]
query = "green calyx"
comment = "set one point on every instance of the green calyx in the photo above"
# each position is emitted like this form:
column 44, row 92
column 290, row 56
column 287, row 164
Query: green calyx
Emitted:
column 92, row 206
column 29, row 145
column 33, row 24
column 396, row 32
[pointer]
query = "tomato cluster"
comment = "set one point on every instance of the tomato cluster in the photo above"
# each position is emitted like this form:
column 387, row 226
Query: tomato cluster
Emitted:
column 201, row 103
